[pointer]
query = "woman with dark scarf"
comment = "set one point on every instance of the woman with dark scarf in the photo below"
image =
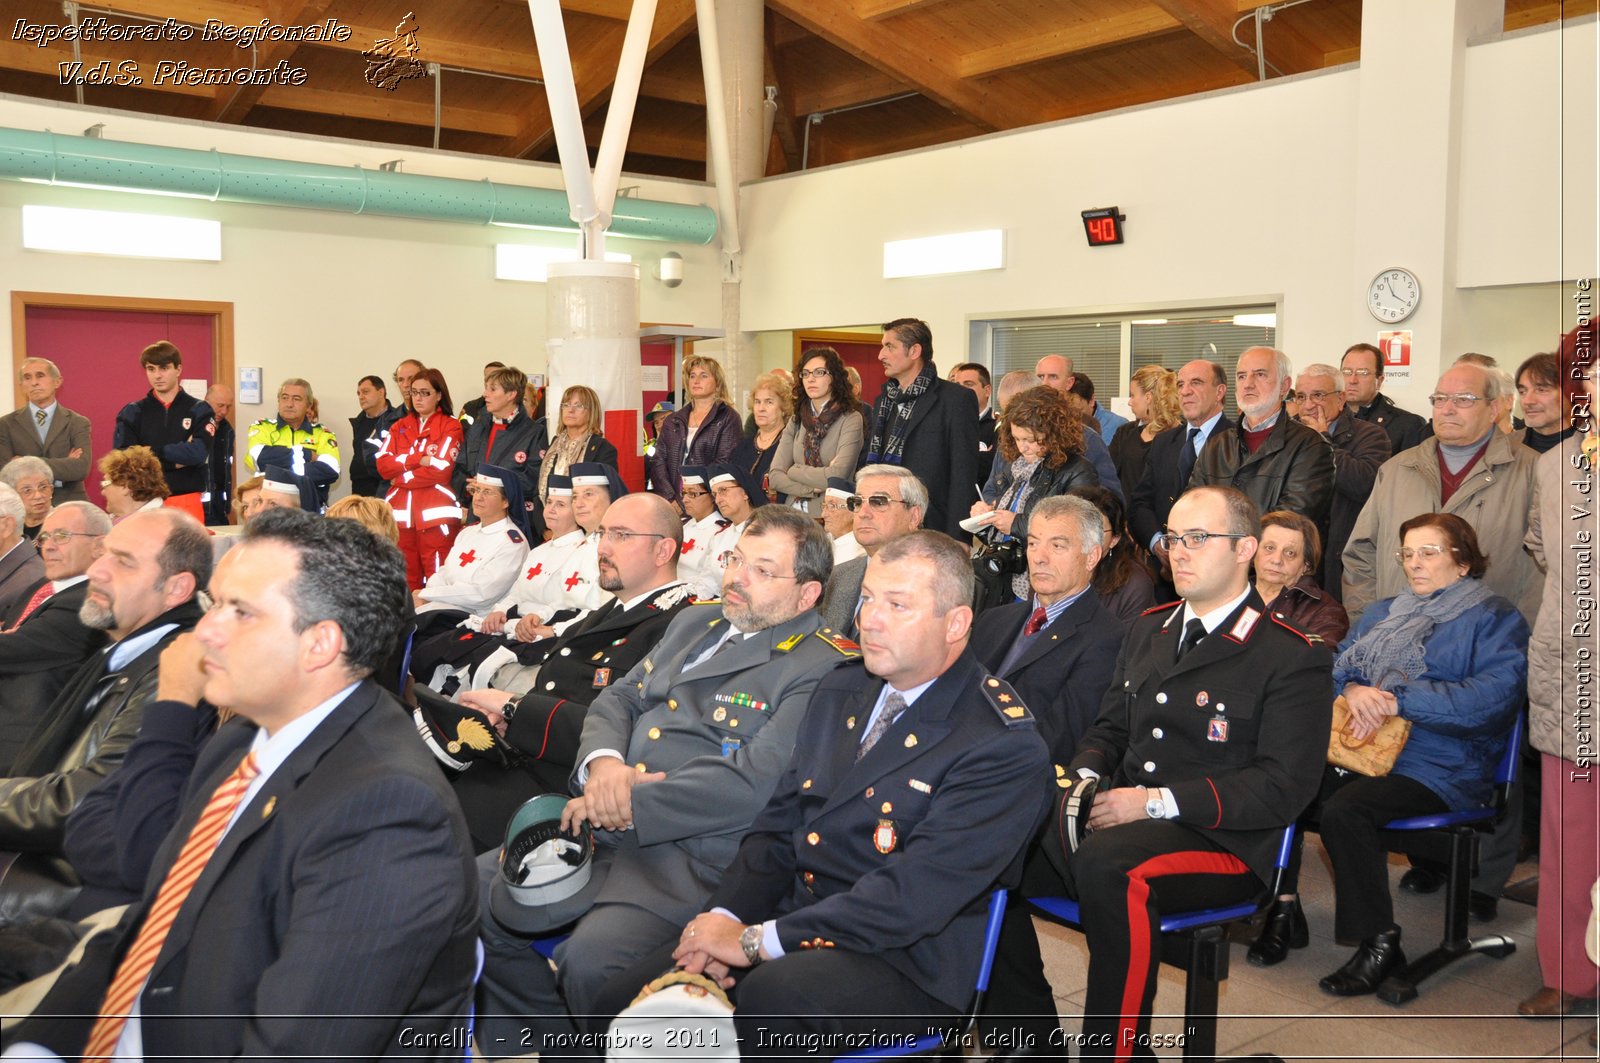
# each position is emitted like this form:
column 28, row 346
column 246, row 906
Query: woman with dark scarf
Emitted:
column 1043, row 441
column 823, row 440
column 1450, row 656
column 577, row 439
column 771, row 406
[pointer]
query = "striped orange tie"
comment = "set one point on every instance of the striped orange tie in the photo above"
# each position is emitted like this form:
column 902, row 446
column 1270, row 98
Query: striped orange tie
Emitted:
column 141, row 957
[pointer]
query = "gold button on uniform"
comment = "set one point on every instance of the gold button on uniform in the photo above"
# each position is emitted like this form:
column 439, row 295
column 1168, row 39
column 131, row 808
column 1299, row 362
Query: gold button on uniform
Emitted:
column 887, row 808
column 813, row 838
column 655, row 733
column 806, row 785
column 672, row 703
column 869, row 793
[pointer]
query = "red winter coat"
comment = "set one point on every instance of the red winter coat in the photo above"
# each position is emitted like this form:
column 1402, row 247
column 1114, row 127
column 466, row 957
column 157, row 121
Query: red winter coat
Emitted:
column 418, row 461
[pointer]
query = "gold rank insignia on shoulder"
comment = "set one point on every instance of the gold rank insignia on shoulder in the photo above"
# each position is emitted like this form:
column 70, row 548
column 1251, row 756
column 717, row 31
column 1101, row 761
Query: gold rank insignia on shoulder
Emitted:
column 649, row 666
column 1005, row 701
column 839, row 642
column 790, row 643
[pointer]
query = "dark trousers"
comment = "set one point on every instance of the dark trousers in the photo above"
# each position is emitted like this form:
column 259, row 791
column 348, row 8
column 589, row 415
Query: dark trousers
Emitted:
column 1352, row 815
column 1124, row 879
column 828, row 993
column 1020, row 1007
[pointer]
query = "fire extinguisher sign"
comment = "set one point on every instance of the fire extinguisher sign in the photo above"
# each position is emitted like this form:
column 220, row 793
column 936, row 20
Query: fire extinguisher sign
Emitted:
column 1396, row 348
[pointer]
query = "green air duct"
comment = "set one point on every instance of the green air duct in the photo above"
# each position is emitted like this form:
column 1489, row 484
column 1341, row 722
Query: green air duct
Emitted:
column 50, row 158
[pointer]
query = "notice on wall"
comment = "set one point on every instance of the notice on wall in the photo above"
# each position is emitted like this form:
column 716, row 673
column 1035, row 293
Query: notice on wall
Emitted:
column 250, row 385
column 1396, row 348
column 655, row 377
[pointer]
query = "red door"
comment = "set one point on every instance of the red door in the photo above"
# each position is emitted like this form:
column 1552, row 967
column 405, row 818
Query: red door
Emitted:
column 861, row 355
column 97, row 352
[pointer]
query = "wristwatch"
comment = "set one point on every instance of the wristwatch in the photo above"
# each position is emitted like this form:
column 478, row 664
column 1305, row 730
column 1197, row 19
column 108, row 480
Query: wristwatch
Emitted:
column 1154, row 806
column 509, row 709
column 750, row 941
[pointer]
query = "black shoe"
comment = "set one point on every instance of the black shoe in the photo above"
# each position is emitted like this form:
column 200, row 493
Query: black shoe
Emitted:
column 1482, row 906
column 1376, row 958
column 1421, row 880
column 1284, row 929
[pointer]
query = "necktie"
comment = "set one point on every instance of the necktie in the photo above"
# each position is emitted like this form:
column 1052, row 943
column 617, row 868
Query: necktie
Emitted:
column 1187, row 456
column 38, row 415
column 181, row 877
column 1035, row 623
column 40, row 596
column 893, row 706
column 1193, row 632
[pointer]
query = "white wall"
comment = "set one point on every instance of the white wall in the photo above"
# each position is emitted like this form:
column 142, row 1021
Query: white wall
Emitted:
column 332, row 297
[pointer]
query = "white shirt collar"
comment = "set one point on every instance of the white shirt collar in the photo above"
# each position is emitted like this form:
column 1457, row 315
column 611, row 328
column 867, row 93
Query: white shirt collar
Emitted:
column 1216, row 616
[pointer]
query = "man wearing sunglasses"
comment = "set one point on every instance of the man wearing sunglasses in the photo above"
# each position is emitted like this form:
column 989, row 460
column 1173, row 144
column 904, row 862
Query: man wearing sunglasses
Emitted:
column 889, row 502
column 1211, row 739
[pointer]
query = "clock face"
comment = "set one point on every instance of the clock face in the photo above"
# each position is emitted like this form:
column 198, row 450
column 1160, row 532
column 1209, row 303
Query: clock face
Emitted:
column 1393, row 295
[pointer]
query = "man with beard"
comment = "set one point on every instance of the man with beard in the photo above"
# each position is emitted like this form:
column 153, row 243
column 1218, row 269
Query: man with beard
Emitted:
column 676, row 760
column 141, row 593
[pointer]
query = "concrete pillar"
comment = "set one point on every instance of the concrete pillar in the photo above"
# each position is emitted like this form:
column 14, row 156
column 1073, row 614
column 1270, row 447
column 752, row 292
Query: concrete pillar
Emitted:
column 741, row 40
column 592, row 316
column 1408, row 158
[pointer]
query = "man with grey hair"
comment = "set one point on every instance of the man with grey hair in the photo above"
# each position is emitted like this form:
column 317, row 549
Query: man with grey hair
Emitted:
column 1058, row 647
column 849, row 916
column 140, row 592
column 43, row 428
column 889, row 502
column 21, row 568
column 1276, row 461
column 293, row 441
column 45, row 645
column 1359, row 447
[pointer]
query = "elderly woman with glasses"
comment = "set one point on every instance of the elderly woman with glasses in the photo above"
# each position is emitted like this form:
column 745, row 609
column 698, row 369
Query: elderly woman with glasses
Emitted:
column 31, row 478
column 823, row 441
column 1449, row 656
column 131, row 481
column 418, row 461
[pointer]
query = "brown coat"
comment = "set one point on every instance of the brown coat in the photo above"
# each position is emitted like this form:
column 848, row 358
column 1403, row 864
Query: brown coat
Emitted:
column 1561, row 535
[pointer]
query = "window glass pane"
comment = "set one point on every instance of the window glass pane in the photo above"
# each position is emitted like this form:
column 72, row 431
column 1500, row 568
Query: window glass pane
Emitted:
column 1214, row 337
column 1094, row 346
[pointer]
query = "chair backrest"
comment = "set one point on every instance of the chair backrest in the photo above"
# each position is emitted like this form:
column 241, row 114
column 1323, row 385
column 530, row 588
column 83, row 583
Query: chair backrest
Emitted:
column 1285, row 850
column 1506, row 775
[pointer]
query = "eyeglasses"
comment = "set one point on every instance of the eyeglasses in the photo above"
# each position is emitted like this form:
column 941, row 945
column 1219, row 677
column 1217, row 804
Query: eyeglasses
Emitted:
column 63, row 537
column 422, row 393
column 814, row 374
column 1359, row 374
column 1317, row 396
column 36, row 489
column 1462, row 401
column 831, row 506
column 1194, row 540
column 877, row 502
column 1428, row 551
column 616, row 536
column 574, row 405
column 695, row 492
column 733, row 561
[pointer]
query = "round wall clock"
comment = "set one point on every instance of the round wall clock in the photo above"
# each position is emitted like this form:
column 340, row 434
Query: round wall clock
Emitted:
column 1393, row 295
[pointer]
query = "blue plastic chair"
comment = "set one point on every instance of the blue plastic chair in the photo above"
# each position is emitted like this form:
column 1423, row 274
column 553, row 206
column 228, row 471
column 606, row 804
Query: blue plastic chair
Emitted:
column 1461, row 828
column 472, row 1002
column 1197, row 943
column 936, row 1042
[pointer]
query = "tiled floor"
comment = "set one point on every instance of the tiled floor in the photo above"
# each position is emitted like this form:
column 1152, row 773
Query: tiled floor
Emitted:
column 1468, row 1012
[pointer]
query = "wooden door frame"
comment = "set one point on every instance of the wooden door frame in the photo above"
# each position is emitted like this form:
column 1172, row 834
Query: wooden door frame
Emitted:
column 221, row 315
column 818, row 336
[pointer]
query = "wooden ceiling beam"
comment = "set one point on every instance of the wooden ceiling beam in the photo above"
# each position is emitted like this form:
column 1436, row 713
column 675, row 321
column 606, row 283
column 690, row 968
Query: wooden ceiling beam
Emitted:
column 616, row 10
column 232, row 102
column 926, row 63
column 1212, row 21
column 383, row 107
column 1072, row 38
column 785, row 127
column 676, row 86
column 831, row 94
column 873, row 10
column 667, row 145
column 1288, row 49
column 30, row 59
column 595, row 69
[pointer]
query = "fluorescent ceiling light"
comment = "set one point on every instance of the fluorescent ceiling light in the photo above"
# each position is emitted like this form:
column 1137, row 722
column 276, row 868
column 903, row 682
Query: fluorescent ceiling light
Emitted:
column 952, row 253
column 109, row 232
column 1256, row 320
column 520, row 262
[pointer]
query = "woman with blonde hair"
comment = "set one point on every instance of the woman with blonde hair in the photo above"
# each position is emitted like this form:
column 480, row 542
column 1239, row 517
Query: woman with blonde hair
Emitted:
column 1153, row 397
column 577, row 437
column 771, row 405
column 373, row 514
column 703, row 431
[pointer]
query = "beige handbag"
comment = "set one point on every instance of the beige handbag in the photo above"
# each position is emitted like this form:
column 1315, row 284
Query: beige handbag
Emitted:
column 1376, row 755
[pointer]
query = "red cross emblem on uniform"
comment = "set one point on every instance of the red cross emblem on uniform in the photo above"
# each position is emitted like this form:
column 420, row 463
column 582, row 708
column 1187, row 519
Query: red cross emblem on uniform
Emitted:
column 535, row 570
column 468, row 558
column 688, row 544
column 572, row 581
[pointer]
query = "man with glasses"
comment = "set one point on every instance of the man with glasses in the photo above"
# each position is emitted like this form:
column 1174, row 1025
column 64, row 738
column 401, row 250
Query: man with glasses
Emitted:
column 675, row 761
column 889, row 502
column 47, row 642
column 1210, row 740
column 1362, row 369
column 1469, row 468
column 293, row 441
column 1359, row 447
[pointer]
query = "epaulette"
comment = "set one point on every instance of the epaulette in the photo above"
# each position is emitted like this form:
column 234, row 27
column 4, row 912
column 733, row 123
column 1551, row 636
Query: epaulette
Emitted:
column 670, row 597
column 514, row 535
column 1006, row 701
column 1311, row 637
column 1158, row 608
column 839, row 642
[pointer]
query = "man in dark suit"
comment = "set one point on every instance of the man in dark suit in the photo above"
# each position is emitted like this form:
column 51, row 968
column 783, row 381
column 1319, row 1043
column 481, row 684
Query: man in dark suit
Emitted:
column 928, row 425
column 540, row 707
column 1359, row 447
column 1362, row 370
column 1210, row 740
column 1275, row 460
column 44, row 647
column 218, row 495
column 335, row 915
column 1202, row 389
column 675, row 762
column 974, row 376
column 46, row 429
column 848, row 916
column 889, row 502
column 1057, row 649
column 21, row 568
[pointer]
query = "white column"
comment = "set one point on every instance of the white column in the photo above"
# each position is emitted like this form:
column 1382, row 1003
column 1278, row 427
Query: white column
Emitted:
column 741, row 44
